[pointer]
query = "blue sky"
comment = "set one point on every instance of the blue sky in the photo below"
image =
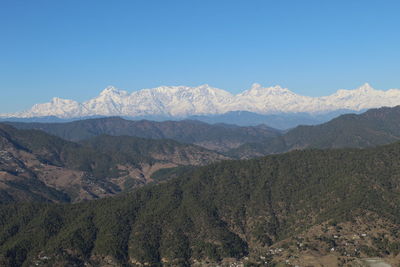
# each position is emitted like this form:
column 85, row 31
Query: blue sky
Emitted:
column 73, row 49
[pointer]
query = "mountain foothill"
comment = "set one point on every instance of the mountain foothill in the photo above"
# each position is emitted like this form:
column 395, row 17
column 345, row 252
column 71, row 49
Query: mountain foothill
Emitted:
column 117, row 192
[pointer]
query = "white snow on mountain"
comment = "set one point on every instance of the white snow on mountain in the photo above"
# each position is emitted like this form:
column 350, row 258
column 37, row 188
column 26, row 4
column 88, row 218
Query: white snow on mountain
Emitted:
column 181, row 101
column 59, row 107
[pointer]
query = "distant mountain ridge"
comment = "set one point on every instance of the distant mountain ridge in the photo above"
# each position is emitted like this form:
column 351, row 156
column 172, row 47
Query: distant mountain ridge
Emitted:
column 219, row 137
column 184, row 101
column 281, row 121
column 371, row 128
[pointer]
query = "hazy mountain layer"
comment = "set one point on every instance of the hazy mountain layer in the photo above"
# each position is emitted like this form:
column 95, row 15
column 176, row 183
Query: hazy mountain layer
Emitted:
column 371, row 128
column 220, row 137
column 282, row 121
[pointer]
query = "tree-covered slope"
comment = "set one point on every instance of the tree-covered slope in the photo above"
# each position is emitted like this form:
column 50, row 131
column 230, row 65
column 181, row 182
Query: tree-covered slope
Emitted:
column 225, row 211
column 372, row 128
column 220, row 137
column 37, row 166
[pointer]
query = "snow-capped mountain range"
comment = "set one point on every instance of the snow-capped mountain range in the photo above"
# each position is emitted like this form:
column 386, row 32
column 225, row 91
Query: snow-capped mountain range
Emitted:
column 183, row 101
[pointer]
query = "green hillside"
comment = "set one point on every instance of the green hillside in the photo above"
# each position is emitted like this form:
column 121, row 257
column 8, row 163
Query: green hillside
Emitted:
column 221, row 212
column 372, row 128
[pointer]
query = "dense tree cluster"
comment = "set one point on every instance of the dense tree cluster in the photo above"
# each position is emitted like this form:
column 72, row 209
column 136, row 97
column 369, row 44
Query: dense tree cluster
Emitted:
column 222, row 210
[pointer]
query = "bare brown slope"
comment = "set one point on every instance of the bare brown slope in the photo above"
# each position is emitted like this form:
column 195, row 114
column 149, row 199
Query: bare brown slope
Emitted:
column 38, row 166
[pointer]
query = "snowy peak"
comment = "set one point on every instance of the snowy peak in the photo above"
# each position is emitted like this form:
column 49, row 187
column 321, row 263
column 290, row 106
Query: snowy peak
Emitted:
column 255, row 86
column 257, row 90
column 366, row 87
column 179, row 100
column 109, row 103
column 112, row 91
column 109, row 90
column 204, row 89
column 57, row 100
column 182, row 101
column 363, row 89
column 63, row 108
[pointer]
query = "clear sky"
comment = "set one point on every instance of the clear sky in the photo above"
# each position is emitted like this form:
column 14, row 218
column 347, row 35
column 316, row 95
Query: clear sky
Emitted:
column 74, row 48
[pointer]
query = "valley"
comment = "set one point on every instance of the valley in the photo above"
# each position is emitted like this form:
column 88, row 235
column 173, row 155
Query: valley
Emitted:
column 41, row 167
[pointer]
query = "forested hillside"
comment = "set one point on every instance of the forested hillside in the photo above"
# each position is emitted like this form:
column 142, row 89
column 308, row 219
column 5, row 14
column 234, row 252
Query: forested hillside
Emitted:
column 306, row 207
column 219, row 137
column 37, row 166
column 372, row 128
